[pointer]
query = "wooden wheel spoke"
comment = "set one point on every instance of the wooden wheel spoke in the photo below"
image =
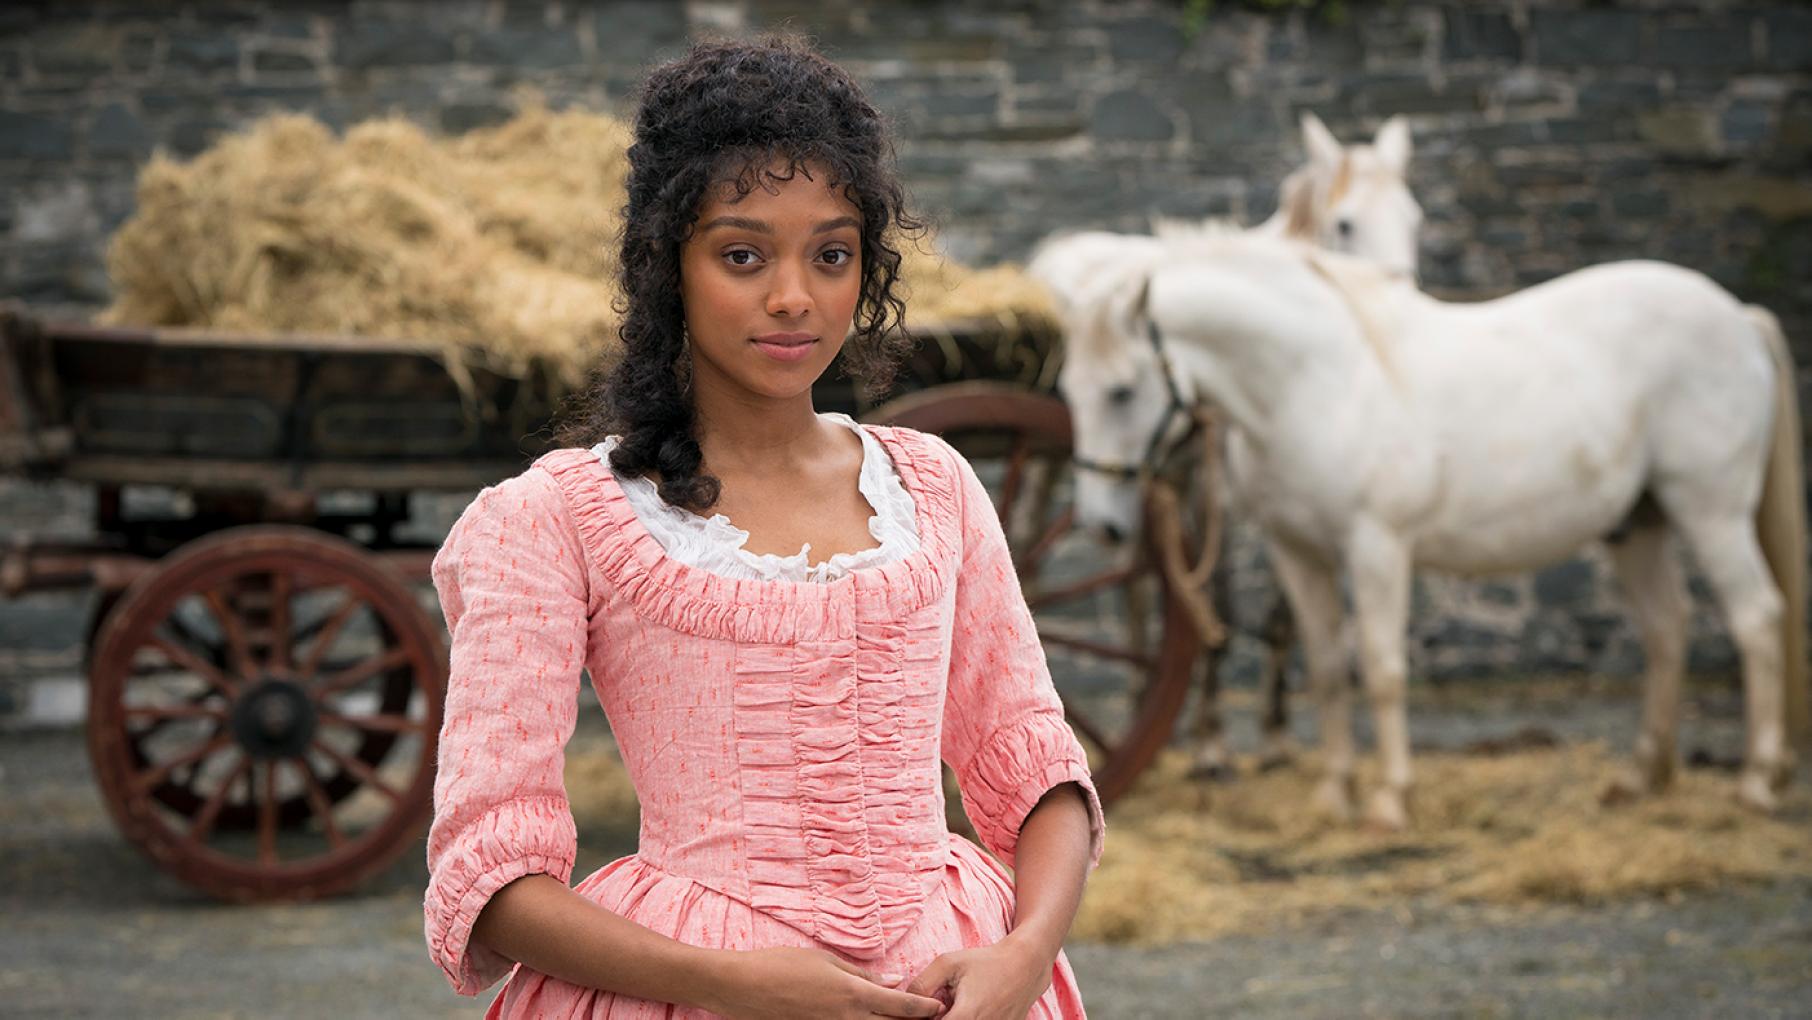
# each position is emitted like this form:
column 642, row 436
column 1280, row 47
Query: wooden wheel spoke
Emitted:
column 365, row 773
column 329, row 631
column 1085, row 726
column 188, row 660
column 1030, row 560
column 1009, row 486
column 318, row 802
column 234, row 628
column 1078, row 589
column 170, row 713
column 146, row 781
column 279, row 656
column 1100, row 649
column 210, row 809
column 267, row 816
column 389, row 660
column 375, row 723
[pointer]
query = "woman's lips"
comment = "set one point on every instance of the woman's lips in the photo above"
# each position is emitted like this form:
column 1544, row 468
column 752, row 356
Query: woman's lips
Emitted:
column 786, row 346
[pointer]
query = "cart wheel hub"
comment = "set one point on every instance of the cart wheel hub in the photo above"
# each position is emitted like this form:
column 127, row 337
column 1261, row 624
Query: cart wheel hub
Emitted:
column 274, row 719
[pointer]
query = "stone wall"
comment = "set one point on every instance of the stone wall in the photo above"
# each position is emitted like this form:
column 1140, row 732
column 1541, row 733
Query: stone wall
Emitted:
column 1549, row 135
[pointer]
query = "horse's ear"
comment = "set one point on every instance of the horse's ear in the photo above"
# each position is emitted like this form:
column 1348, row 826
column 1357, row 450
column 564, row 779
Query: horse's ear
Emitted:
column 1393, row 145
column 1322, row 145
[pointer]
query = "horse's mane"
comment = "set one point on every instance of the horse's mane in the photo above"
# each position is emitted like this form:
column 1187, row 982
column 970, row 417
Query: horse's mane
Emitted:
column 1362, row 286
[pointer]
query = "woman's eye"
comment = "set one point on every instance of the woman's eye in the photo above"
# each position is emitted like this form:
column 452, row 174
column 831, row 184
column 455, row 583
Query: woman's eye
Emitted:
column 837, row 256
column 741, row 257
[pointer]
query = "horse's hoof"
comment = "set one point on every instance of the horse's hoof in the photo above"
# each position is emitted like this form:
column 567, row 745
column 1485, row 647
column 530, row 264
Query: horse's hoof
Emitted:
column 1276, row 754
column 1624, row 789
column 1783, row 770
column 1756, row 790
column 1387, row 811
column 1333, row 799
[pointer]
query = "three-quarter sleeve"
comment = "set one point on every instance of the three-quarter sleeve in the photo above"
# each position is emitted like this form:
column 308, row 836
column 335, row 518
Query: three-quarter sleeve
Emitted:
column 1004, row 734
column 514, row 590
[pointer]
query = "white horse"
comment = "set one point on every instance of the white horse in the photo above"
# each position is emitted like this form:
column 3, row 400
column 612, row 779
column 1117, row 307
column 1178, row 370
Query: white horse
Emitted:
column 1377, row 430
column 1352, row 199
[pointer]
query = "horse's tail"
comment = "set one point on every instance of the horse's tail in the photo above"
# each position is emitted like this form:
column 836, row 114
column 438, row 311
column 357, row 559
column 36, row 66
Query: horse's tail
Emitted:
column 1781, row 525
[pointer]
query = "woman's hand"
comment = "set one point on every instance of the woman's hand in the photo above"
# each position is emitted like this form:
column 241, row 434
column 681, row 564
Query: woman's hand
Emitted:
column 997, row 982
column 785, row 984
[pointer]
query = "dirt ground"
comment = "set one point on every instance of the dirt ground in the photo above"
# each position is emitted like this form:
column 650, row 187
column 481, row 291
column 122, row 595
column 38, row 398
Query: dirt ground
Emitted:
column 92, row 929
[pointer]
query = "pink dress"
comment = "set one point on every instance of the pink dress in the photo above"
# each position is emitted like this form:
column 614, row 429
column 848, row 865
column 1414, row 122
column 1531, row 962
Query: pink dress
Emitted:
column 783, row 737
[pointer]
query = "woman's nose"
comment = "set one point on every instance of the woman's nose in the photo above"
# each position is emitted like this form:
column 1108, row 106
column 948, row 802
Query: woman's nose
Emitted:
column 788, row 296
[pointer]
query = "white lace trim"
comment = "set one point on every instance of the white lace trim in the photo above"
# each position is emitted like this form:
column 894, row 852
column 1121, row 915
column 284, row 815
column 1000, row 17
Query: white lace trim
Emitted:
column 714, row 544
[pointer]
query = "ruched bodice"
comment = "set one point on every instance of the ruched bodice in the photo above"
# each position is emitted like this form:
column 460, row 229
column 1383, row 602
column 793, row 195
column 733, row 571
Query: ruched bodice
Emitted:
column 784, row 737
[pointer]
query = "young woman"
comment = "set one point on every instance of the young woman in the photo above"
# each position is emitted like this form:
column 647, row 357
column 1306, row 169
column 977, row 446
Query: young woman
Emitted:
column 784, row 686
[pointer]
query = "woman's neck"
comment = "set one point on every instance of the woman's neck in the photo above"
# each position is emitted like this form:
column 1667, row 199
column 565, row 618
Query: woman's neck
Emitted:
column 758, row 436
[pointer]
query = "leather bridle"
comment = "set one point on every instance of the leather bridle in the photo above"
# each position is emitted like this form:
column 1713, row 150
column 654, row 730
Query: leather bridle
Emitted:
column 1150, row 462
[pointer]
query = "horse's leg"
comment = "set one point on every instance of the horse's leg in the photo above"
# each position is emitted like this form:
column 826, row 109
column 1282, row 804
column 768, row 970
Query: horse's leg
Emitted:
column 1657, row 596
column 1211, row 759
column 1380, row 564
column 1314, row 595
column 1731, row 557
column 1275, row 746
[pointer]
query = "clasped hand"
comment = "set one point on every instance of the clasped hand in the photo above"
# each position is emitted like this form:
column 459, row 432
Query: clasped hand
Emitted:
column 998, row 982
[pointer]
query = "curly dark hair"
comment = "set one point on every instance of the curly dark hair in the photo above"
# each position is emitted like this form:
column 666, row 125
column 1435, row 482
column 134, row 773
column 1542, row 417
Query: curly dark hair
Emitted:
column 733, row 112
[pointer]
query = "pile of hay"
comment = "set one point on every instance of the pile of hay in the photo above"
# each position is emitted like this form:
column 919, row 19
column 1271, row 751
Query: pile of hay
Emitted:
column 499, row 241
column 1188, row 861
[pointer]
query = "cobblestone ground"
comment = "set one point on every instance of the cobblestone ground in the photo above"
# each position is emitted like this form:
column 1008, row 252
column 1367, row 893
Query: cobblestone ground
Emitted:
column 92, row 929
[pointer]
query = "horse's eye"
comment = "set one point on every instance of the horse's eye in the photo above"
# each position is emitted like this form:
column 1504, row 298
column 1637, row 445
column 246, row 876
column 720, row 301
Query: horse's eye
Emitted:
column 1120, row 395
column 1345, row 228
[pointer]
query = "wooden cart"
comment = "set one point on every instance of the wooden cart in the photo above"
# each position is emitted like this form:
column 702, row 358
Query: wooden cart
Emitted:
column 265, row 669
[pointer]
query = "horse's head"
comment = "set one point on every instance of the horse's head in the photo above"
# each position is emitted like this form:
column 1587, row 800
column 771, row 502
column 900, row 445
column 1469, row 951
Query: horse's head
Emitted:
column 1356, row 198
column 1129, row 401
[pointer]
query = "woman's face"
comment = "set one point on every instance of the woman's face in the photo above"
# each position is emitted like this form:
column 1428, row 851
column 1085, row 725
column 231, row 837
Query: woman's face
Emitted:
column 770, row 282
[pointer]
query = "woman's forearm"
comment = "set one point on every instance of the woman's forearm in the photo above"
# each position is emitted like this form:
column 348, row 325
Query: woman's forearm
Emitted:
column 540, row 922
column 1050, row 868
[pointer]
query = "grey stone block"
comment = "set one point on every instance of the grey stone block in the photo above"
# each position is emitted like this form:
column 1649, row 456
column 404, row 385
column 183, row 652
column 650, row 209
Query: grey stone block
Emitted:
column 1129, row 116
column 205, row 52
column 458, row 118
column 1565, row 585
column 1619, row 94
column 190, row 136
column 638, row 32
column 1639, row 203
column 1233, row 123
column 1719, row 45
column 33, row 136
column 1746, row 123
column 266, row 61
column 527, row 46
column 1471, row 34
column 116, row 131
column 365, row 44
column 1789, row 33
column 1145, row 40
column 81, row 50
column 1589, row 36
column 1386, row 95
column 1052, row 62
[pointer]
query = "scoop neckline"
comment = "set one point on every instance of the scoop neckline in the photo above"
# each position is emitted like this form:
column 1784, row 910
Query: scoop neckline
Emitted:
column 864, row 438
column 892, row 574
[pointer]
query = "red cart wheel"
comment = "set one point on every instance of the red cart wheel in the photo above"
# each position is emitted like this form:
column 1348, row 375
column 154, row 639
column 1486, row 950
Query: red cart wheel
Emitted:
column 1120, row 643
column 263, row 710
